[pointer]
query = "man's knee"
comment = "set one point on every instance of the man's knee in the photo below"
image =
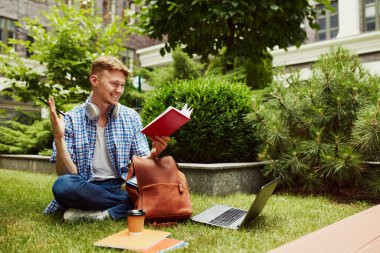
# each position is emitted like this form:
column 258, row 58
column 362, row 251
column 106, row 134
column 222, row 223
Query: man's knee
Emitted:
column 66, row 185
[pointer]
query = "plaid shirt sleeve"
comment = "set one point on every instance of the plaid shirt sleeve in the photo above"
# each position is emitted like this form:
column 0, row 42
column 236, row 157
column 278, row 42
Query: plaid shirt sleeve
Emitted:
column 140, row 146
column 68, row 139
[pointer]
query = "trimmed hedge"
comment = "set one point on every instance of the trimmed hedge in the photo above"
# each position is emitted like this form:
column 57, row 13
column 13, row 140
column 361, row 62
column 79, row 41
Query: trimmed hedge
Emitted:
column 217, row 131
column 17, row 138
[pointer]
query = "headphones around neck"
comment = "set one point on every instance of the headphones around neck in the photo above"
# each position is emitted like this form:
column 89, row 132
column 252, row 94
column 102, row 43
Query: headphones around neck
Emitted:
column 92, row 111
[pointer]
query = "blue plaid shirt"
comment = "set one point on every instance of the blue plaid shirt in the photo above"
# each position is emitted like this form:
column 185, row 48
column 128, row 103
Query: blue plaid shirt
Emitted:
column 123, row 137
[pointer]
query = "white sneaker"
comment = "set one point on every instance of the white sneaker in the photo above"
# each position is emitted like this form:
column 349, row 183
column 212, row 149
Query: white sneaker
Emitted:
column 73, row 214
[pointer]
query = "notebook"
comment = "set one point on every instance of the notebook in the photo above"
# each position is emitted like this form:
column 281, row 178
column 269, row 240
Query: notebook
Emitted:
column 122, row 240
column 234, row 218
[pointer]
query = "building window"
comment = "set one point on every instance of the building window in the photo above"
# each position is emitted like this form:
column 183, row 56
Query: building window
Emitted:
column 371, row 15
column 31, row 40
column 69, row 3
column 88, row 5
column 7, row 29
column 125, row 6
column 83, row 4
column 132, row 8
column 109, row 10
column 328, row 22
column 129, row 10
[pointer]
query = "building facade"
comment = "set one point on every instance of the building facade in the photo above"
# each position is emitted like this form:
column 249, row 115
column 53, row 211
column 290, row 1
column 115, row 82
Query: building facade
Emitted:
column 354, row 24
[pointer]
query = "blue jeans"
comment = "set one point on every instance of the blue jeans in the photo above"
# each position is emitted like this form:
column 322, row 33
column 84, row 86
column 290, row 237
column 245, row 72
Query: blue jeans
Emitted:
column 71, row 191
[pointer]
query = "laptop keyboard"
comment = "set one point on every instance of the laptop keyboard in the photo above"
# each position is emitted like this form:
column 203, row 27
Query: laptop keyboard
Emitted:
column 228, row 217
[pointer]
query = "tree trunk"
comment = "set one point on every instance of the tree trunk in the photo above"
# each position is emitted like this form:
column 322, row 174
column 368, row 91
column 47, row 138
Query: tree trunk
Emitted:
column 228, row 63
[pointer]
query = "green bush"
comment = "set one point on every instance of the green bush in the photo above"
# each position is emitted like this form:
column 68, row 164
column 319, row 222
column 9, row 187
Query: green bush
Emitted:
column 257, row 74
column 17, row 138
column 159, row 76
column 216, row 132
column 182, row 68
column 307, row 125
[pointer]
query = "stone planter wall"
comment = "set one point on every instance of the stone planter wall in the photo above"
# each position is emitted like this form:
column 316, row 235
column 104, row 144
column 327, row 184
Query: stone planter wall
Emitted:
column 209, row 179
column 32, row 163
column 223, row 178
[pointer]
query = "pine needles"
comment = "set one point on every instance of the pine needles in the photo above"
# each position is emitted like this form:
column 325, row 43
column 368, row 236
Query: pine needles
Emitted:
column 325, row 126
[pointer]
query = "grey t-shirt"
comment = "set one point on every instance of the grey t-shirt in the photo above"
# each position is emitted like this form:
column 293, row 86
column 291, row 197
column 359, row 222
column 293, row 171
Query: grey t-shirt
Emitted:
column 102, row 166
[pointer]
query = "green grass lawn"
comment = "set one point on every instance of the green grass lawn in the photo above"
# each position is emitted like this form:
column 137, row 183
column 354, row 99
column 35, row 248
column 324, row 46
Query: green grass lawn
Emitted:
column 23, row 227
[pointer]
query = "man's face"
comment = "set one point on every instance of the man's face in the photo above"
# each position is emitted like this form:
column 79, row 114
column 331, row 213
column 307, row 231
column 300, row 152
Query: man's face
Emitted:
column 108, row 86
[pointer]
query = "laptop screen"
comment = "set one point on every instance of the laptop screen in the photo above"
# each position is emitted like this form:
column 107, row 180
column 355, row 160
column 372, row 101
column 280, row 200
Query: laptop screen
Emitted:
column 260, row 201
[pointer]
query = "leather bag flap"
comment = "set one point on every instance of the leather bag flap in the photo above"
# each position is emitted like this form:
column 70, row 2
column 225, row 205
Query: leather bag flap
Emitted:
column 153, row 171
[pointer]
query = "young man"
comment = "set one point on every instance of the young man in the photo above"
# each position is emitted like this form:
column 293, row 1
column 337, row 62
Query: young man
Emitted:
column 93, row 145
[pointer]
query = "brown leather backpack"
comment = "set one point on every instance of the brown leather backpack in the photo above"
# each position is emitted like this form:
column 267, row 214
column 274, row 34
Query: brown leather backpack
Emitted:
column 162, row 190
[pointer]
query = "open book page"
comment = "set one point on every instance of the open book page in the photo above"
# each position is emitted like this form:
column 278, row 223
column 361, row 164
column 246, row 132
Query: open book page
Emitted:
column 186, row 111
column 168, row 122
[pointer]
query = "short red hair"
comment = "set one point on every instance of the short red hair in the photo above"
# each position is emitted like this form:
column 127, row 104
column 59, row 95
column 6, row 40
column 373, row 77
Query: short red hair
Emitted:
column 108, row 63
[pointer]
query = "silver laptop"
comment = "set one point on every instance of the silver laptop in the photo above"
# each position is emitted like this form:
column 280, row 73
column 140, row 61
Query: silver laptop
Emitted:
column 234, row 218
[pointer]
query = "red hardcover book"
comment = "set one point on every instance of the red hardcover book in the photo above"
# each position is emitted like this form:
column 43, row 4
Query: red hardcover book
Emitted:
column 168, row 122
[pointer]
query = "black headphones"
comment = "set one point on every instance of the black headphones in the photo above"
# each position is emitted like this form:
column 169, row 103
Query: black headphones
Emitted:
column 92, row 111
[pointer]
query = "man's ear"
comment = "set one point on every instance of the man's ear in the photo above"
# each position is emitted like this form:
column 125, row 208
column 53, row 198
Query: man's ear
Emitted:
column 94, row 80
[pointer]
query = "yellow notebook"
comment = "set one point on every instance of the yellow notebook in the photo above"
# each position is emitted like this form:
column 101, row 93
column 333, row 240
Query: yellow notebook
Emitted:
column 122, row 240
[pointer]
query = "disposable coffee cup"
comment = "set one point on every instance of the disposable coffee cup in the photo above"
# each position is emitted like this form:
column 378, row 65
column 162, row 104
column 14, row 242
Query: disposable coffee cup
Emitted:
column 136, row 220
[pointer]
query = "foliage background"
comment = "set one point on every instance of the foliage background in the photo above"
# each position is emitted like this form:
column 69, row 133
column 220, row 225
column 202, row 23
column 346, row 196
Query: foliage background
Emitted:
column 61, row 56
column 64, row 42
column 245, row 29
